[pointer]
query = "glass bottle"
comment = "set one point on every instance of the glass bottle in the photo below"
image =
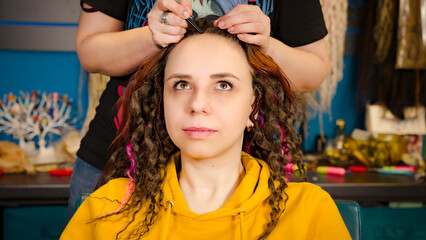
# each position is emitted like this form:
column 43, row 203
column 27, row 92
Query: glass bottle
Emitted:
column 338, row 151
column 340, row 135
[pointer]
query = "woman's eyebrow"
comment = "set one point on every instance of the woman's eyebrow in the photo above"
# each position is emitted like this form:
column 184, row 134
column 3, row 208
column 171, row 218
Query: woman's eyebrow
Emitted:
column 179, row 75
column 212, row 76
column 223, row 75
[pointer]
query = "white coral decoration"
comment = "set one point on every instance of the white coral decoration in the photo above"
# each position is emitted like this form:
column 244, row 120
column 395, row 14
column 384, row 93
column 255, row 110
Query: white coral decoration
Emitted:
column 35, row 115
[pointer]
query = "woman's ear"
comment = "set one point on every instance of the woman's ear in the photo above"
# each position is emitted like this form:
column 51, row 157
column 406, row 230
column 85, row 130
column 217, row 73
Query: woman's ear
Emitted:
column 254, row 110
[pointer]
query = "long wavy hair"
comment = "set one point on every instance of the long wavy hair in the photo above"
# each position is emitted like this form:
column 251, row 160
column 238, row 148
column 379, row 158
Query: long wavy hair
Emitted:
column 143, row 146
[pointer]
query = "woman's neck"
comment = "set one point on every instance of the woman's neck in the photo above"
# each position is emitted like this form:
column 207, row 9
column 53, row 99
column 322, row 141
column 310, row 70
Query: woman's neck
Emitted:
column 207, row 184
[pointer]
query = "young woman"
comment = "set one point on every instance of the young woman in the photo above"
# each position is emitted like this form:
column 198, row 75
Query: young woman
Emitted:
column 114, row 38
column 179, row 171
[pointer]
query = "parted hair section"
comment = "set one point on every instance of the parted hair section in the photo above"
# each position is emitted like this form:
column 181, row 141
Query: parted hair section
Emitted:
column 143, row 146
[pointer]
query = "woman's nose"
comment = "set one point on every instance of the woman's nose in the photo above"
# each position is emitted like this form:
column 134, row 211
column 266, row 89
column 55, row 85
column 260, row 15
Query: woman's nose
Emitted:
column 200, row 102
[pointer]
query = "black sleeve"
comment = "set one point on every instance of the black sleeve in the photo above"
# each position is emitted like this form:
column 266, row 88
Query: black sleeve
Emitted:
column 297, row 22
column 114, row 8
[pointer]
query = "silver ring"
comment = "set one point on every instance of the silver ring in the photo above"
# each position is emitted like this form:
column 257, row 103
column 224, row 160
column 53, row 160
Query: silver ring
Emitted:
column 164, row 17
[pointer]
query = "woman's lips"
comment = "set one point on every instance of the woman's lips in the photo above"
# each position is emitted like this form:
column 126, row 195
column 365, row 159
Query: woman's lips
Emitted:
column 199, row 132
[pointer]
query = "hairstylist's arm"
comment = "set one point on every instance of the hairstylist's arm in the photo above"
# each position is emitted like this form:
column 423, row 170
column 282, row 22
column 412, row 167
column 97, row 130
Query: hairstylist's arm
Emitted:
column 104, row 47
column 306, row 66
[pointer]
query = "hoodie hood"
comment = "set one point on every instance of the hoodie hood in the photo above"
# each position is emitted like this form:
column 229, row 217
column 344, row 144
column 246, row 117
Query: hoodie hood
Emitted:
column 241, row 208
column 252, row 191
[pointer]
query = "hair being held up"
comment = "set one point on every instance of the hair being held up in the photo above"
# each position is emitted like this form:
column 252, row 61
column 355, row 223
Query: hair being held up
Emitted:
column 143, row 132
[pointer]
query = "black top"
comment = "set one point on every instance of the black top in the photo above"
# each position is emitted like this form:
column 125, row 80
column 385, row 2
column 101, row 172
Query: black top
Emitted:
column 116, row 8
column 293, row 22
column 297, row 22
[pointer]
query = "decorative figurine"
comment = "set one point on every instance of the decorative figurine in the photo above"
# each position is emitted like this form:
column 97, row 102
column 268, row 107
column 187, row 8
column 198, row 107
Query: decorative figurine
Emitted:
column 30, row 117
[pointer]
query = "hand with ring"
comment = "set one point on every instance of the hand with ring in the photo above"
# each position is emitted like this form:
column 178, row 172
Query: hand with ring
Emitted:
column 166, row 20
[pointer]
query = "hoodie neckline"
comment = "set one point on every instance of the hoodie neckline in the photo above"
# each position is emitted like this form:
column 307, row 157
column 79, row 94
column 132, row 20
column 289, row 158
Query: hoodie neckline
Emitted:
column 252, row 190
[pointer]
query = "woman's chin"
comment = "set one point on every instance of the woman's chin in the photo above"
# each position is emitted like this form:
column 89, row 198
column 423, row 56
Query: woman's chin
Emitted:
column 199, row 153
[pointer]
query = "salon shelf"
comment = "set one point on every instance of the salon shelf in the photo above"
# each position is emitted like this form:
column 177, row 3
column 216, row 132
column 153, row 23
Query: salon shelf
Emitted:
column 371, row 186
column 44, row 189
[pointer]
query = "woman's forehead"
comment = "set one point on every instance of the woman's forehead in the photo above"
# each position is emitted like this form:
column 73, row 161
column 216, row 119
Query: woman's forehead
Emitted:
column 207, row 49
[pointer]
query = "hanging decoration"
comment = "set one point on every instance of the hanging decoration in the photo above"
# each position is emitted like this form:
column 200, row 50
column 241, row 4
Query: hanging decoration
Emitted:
column 319, row 101
column 393, row 63
column 384, row 28
column 96, row 85
column 411, row 54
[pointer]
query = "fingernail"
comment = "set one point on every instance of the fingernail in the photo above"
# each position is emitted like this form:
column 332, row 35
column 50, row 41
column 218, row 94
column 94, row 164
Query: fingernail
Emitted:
column 231, row 29
column 221, row 24
column 185, row 14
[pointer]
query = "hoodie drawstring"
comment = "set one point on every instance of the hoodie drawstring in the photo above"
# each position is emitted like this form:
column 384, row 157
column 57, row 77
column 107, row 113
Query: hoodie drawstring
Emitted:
column 241, row 213
column 169, row 205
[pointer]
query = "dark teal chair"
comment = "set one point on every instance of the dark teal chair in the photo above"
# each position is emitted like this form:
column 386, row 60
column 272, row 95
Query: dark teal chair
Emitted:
column 80, row 200
column 351, row 214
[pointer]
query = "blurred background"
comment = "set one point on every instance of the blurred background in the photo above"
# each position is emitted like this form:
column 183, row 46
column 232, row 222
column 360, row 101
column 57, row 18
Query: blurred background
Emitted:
column 369, row 113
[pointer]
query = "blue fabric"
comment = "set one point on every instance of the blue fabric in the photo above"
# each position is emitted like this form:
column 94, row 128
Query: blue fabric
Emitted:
column 266, row 5
column 137, row 13
column 83, row 180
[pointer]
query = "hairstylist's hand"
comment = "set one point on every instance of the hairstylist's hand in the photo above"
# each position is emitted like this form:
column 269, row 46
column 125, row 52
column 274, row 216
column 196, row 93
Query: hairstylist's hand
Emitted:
column 166, row 20
column 249, row 22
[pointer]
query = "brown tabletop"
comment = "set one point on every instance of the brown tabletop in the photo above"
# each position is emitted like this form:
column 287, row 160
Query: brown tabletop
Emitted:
column 43, row 189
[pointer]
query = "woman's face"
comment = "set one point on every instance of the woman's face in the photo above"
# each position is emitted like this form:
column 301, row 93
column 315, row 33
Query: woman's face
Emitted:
column 208, row 96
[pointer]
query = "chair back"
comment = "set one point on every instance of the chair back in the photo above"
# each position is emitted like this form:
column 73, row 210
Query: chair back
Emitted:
column 351, row 214
column 80, row 200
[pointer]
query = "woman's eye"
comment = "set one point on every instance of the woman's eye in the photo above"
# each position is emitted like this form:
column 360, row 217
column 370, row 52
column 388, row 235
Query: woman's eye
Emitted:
column 224, row 85
column 181, row 85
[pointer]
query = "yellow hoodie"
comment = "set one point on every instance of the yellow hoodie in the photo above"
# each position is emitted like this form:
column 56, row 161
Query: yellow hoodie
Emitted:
column 310, row 212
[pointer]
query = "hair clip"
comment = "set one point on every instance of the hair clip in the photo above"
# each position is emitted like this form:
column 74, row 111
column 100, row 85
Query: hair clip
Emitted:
column 212, row 18
column 191, row 21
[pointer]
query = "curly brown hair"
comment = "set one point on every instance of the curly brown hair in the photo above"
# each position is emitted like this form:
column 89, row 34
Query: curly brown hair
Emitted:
column 273, row 138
